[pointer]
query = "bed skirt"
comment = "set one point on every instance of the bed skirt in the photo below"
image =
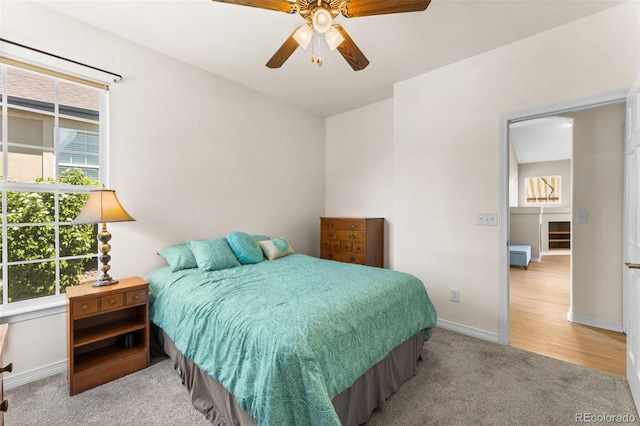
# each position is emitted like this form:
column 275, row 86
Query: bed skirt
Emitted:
column 353, row 406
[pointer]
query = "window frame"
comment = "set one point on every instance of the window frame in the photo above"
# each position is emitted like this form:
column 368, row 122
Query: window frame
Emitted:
column 56, row 303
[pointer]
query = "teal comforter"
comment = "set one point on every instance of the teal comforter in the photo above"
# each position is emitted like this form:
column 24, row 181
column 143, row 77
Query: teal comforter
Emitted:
column 286, row 336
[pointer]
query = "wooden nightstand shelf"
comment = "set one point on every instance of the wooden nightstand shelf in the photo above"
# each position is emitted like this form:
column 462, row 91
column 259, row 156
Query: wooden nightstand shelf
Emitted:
column 107, row 332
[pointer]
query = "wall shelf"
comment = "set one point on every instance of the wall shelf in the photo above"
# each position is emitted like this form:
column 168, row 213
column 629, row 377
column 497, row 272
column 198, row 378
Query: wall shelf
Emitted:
column 559, row 235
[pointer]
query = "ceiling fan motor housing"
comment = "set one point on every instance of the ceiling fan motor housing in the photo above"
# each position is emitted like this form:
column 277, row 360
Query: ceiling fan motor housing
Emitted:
column 311, row 10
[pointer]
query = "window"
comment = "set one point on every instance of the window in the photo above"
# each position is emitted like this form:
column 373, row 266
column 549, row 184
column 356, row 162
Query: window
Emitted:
column 52, row 139
column 542, row 189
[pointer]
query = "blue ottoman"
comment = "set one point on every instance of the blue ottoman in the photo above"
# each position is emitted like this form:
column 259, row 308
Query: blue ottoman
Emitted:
column 520, row 255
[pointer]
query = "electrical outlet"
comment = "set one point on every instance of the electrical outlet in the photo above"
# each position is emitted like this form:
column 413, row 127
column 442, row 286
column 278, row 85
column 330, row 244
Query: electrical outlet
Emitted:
column 487, row 219
column 455, row 295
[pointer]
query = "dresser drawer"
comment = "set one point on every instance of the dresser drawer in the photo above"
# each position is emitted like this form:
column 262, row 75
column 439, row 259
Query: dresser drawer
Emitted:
column 343, row 235
column 112, row 301
column 85, row 307
column 348, row 257
column 354, row 225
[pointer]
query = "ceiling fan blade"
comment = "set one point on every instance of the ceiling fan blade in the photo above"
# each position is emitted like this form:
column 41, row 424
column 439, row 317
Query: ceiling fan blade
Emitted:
column 357, row 8
column 288, row 47
column 350, row 52
column 278, row 5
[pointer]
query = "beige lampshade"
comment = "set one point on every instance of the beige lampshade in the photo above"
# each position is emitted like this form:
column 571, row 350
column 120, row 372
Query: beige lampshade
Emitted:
column 102, row 207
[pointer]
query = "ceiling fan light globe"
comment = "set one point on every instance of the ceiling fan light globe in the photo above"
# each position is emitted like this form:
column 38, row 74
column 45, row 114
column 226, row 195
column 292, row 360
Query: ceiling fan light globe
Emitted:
column 321, row 20
column 333, row 38
column 303, row 35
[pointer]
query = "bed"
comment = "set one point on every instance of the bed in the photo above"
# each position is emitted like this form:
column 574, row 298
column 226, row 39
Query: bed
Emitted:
column 291, row 341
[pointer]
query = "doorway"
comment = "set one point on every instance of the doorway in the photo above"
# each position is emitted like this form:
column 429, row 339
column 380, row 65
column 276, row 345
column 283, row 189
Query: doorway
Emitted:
column 571, row 109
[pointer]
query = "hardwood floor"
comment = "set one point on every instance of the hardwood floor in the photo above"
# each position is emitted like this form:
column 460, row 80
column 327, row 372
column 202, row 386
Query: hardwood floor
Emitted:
column 539, row 302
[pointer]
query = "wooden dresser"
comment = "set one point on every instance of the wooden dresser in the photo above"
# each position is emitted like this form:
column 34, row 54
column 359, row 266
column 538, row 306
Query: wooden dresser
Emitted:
column 4, row 405
column 107, row 332
column 352, row 240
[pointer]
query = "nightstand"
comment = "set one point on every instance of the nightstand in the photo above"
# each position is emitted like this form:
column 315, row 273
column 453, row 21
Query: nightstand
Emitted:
column 107, row 332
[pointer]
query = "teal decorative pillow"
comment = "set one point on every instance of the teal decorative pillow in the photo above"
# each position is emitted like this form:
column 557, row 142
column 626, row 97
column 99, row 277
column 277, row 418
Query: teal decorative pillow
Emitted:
column 275, row 248
column 260, row 237
column 245, row 247
column 213, row 255
column 179, row 256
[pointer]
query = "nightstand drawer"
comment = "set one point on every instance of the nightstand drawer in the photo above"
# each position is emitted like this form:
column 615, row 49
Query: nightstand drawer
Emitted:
column 112, row 301
column 85, row 307
column 137, row 296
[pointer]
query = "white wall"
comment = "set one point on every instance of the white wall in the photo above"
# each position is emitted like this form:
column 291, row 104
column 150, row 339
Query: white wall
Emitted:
column 524, row 228
column 446, row 143
column 192, row 156
column 446, row 132
column 359, row 166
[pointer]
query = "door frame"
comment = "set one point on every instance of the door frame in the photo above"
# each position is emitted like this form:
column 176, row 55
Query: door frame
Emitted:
column 503, row 212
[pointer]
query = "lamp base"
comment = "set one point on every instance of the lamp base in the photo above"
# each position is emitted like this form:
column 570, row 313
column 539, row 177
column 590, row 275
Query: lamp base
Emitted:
column 103, row 282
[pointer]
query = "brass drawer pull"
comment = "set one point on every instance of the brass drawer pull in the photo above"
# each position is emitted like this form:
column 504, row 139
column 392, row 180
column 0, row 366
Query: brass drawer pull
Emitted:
column 352, row 237
column 8, row 368
column 85, row 307
column 330, row 255
column 633, row 265
column 352, row 259
column 4, row 406
column 112, row 301
column 330, row 234
column 330, row 225
column 136, row 297
column 352, row 226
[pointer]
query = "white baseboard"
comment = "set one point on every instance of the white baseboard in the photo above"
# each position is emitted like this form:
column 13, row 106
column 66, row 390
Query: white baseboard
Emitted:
column 14, row 380
column 469, row 331
column 594, row 322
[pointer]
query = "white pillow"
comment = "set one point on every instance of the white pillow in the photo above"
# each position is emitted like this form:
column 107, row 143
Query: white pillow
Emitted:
column 273, row 249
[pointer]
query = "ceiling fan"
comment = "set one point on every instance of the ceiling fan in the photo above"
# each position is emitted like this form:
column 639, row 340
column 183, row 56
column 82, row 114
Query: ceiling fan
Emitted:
column 320, row 14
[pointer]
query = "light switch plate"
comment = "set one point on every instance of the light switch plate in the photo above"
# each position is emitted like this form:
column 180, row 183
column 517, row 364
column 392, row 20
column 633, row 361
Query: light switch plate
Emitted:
column 488, row 219
column 583, row 217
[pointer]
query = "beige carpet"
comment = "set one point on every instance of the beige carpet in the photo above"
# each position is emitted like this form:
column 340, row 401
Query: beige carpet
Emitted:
column 461, row 381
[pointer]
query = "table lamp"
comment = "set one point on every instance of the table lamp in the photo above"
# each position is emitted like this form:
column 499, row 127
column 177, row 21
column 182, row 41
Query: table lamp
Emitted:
column 103, row 206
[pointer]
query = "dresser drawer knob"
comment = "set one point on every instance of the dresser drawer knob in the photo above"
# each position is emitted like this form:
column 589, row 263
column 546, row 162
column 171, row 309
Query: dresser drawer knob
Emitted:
column 8, row 368
column 136, row 297
column 352, row 259
column 112, row 301
column 85, row 307
column 352, row 226
column 330, row 225
column 330, row 255
column 330, row 234
column 352, row 237
column 4, row 406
